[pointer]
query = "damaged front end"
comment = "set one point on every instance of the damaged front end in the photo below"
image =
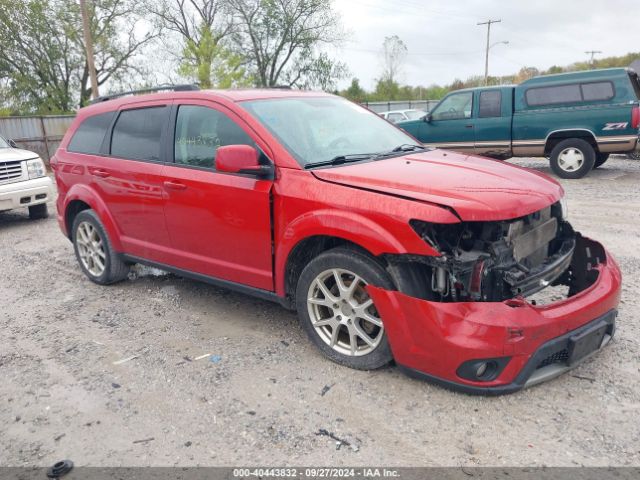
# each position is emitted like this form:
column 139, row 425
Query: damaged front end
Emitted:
column 496, row 261
column 467, row 319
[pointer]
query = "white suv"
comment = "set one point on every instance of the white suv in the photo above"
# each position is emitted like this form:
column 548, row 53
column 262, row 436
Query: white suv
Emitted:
column 23, row 180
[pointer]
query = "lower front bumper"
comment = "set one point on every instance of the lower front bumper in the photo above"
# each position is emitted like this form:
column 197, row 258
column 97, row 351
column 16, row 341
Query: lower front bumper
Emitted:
column 26, row 193
column 535, row 371
column 433, row 340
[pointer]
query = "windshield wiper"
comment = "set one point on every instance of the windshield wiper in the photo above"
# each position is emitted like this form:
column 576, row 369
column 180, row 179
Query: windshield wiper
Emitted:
column 405, row 147
column 340, row 159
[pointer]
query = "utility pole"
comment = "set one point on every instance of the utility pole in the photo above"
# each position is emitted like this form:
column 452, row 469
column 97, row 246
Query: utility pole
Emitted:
column 593, row 54
column 486, row 59
column 88, row 43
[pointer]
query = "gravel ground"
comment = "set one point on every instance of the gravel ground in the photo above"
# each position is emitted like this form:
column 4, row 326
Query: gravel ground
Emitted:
column 268, row 392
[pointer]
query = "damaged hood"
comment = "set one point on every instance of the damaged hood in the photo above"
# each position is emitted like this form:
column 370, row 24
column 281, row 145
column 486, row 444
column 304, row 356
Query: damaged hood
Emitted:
column 478, row 189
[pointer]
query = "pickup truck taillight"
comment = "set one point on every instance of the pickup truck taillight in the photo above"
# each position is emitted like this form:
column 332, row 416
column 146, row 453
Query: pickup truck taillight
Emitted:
column 635, row 117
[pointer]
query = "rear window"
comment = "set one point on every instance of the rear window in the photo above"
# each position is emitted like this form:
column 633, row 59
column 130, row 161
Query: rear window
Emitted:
column 90, row 134
column 137, row 133
column 633, row 76
column 573, row 93
column 490, row 104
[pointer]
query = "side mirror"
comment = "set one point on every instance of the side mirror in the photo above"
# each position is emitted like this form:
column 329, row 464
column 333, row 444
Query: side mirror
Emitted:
column 12, row 144
column 428, row 118
column 241, row 159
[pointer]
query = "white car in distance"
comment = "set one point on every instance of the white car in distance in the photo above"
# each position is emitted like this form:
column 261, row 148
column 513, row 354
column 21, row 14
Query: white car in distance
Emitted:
column 23, row 180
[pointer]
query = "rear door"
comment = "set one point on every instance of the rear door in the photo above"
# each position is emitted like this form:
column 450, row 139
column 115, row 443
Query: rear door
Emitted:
column 219, row 223
column 492, row 122
column 129, row 179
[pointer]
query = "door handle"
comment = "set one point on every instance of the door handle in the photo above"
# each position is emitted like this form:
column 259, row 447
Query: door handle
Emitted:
column 100, row 173
column 175, row 185
column 468, row 126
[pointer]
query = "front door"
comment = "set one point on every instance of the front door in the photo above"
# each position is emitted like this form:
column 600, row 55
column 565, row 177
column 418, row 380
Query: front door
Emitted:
column 219, row 223
column 450, row 125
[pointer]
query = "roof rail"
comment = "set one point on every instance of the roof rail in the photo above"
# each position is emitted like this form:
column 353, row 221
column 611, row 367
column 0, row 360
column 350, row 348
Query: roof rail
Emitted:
column 160, row 88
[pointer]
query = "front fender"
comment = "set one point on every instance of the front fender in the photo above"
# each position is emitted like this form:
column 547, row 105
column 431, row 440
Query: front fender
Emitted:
column 87, row 195
column 349, row 226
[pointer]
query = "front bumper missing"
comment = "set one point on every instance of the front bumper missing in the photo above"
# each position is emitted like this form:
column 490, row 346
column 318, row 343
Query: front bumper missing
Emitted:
column 431, row 340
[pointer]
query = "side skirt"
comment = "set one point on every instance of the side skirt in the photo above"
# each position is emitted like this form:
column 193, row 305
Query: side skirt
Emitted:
column 236, row 287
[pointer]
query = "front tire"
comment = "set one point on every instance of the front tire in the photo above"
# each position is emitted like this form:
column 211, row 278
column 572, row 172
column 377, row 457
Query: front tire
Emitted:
column 336, row 312
column 37, row 212
column 572, row 158
column 97, row 258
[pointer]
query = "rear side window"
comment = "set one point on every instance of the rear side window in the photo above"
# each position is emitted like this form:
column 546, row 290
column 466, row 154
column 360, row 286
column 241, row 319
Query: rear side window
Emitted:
column 576, row 92
column 137, row 133
column 90, row 134
column 490, row 104
column 199, row 133
column 597, row 91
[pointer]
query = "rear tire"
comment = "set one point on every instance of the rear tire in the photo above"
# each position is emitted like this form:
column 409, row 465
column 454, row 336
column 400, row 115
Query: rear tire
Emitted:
column 634, row 155
column 572, row 158
column 337, row 321
column 37, row 212
column 601, row 158
column 94, row 252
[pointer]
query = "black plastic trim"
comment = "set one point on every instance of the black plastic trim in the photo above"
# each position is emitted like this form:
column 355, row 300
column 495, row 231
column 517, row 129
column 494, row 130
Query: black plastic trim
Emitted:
column 543, row 352
column 218, row 282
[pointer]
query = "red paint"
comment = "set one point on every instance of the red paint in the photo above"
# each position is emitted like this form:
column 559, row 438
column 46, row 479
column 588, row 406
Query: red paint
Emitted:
column 243, row 229
column 436, row 338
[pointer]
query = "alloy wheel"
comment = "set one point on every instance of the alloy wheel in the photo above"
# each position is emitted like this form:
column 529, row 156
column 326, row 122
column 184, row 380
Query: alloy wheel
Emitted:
column 570, row 159
column 343, row 314
column 91, row 249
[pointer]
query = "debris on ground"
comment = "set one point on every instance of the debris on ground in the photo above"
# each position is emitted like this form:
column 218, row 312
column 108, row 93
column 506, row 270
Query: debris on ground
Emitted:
column 203, row 356
column 59, row 469
column 144, row 440
column 215, row 359
column 340, row 442
column 125, row 360
column 325, row 389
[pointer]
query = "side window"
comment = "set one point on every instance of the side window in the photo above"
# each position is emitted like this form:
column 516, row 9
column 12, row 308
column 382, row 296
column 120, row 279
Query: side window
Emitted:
column 597, row 91
column 455, row 106
column 490, row 104
column 137, row 133
column 90, row 134
column 199, row 133
column 395, row 117
column 553, row 95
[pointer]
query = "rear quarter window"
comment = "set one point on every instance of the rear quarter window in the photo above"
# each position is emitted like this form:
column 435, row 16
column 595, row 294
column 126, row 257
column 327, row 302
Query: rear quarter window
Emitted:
column 89, row 136
column 572, row 93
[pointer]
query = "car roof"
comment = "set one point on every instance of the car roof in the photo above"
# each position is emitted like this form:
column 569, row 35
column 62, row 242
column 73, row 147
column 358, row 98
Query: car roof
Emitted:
column 231, row 95
column 580, row 75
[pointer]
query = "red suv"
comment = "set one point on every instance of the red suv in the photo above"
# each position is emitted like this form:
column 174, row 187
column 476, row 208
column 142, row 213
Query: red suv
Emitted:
column 389, row 251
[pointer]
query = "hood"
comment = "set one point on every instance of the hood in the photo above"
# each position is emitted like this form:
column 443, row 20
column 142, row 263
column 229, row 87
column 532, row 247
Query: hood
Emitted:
column 13, row 154
column 477, row 188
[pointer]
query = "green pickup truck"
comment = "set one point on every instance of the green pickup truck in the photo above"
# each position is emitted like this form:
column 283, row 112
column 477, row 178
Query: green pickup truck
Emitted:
column 575, row 119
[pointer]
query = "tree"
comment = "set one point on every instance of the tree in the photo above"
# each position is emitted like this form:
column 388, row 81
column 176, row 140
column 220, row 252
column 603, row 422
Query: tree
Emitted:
column 204, row 27
column 281, row 40
column 394, row 53
column 43, row 55
column 355, row 92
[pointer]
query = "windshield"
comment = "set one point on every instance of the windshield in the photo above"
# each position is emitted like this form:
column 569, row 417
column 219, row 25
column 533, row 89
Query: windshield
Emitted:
column 3, row 143
column 320, row 129
column 414, row 114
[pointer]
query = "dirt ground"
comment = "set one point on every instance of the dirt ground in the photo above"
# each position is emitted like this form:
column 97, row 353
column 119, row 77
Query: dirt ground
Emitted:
column 268, row 393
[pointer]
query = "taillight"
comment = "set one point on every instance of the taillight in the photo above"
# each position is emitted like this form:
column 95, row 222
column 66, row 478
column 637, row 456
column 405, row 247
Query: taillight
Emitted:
column 635, row 117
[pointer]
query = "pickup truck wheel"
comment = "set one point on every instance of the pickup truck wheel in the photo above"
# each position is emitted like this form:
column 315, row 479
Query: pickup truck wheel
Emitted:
column 37, row 212
column 600, row 159
column 572, row 158
column 634, row 155
column 94, row 252
column 336, row 312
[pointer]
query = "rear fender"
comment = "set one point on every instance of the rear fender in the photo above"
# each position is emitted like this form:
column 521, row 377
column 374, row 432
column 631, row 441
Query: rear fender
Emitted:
column 87, row 195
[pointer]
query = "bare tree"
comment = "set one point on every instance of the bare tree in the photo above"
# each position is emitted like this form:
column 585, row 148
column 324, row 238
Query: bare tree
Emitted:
column 394, row 53
column 282, row 41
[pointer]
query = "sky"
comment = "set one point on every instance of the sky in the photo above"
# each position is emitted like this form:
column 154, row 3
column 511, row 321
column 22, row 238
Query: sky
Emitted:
column 444, row 41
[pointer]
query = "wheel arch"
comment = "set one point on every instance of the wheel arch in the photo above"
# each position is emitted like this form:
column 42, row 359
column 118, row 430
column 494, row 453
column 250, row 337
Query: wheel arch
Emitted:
column 558, row 136
column 80, row 198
